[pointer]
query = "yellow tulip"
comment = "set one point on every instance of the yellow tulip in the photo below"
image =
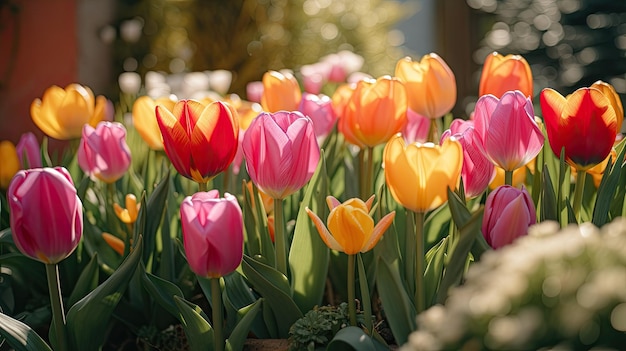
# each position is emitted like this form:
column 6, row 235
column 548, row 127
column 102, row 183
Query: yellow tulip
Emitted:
column 280, row 92
column 350, row 227
column 10, row 163
column 145, row 122
column 419, row 175
column 608, row 91
column 62, row 113
column 129, row 214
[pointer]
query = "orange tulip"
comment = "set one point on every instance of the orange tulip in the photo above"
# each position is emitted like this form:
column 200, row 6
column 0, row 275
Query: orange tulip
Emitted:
column 608, row 91
column 145, row 122
column 129, row 214
column 10, row 163
column 61, row 113
column 505, row 73
column 340, row 98
column 280, row 92
column 375, row 112
column 114, row 242
column 419, row 175
column 430, row 85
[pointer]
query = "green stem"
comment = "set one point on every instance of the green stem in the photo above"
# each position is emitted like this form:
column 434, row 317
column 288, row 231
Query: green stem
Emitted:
column 351, row 289
column 56, row 301
column 361, row 172
column 202, row 186
column 369, row 173
column 409, row 259
column 578, row 193
column 420, row 303
column 433, row 132
column 508, row 177
column 279, row 236
column 218, row 314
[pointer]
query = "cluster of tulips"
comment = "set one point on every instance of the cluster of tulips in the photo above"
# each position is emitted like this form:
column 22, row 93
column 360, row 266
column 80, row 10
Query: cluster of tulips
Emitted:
column 389, row 138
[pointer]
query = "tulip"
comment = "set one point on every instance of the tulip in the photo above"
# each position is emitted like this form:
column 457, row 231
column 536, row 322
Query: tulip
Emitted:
column 340, row 98
column 129, row 214
column 61, row 113
column 145, row 121
column 28, row 151
column 477, row 170
column 608, row 91
column 200, row 141
column 46, row 214
column 507, row 130
column 375, row 112
column 280, row 92
column 10, row 163
column 584, row 124
column 281, row 152
column 419, row 175
column 509, row 212
column 254, row 91
column 320, row 110
column 517, row 180
column 430, row 85
column 417, row 128
column 114, row 242
column 103, row 153
column 212, row 233
column 505, row 73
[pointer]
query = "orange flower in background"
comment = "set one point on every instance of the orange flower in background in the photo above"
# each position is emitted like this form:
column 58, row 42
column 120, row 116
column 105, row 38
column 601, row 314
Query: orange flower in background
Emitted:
column 280, row 92
column 145, row 122
column 10, row 163
column 519, row 177
column 340, row 98
column 430, row 85
column 129, row 214
column 375, row 112
column 114, row 242
column 505, row 73
column 61, row 113
column 608, row 91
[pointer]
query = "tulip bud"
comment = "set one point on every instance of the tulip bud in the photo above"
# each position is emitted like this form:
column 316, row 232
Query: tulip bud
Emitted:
column 280, row 92
column 129, row 214
column 103, row 153
column 509, row 212
column 46, row 214
column 505, row 73
column 28, row 151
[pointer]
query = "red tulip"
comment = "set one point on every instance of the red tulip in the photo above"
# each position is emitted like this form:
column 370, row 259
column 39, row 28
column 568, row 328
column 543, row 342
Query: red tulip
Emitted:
column 509, row 212
column 46, row 214
column 201, row 141
column 103, row 153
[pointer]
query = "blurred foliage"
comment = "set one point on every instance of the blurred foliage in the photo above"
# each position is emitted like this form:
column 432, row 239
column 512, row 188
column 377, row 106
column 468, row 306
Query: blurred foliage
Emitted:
column 568, row 43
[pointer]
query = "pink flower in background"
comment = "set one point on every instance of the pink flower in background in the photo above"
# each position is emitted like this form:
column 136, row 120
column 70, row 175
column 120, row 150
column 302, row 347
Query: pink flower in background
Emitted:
column 314, row 76
column 212, row 233
column 28, row 151
column 254, row 91
column 509, row 212
column 103, row 153
column 416, row 128
column 238, row 159
column 281, row 152
column 477, row 170
column 507, row 130
column 46, row 214
column 320, row 110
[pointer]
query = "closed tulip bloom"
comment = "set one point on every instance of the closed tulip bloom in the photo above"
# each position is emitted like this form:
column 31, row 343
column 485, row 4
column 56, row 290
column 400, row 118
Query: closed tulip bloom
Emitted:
column 281, row 152
column 350, row 227
column 430, row 85
column 129, row 214
column 419, row 175
column 375, row 112
column 608, row 91
column 507, row 129
column 509, row 212
column 320, row 110
column 505, row 73
column 340, row 98
column 103, row 153
column 28, row 151
column 584, row 124
column 145, row 122
column 200, row 141
column 417, row 127
column 10, row 163
column 212, row 233
column 61, row 113
column 46, row 214
column 477, row 170
column 280, row 92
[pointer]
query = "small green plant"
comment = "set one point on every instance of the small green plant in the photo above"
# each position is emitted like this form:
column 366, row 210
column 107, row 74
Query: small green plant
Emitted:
column 318, row 326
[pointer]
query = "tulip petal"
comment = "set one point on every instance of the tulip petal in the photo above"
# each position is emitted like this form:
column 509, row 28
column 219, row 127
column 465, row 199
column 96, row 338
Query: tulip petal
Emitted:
column 378, row 231
column 324, row 233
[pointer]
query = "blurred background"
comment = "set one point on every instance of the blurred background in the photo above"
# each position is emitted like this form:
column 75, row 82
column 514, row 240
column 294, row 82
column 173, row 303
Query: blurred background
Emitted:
column 568, row 43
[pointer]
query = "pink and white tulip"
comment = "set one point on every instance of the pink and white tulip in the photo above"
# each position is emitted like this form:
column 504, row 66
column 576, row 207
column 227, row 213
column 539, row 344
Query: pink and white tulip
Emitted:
column 319, row 109
column 509, row 212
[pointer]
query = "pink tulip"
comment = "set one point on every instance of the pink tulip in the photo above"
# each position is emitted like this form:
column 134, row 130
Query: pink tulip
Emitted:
column 212, row 233
column 103, row 153
column 28, row 151
column 46, row 214
column 509, row 212
column 477, row 171
column 416, row 128
column 507, row 130
column 254, row 91
column 314, row 76
column 281, row 152
column 320, row 110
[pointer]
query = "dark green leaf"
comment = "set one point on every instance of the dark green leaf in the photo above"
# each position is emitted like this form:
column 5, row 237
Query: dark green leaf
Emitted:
column 397, row 305
column 20, row 336
column 351, row 339
column 87, row 281
column 197, row 328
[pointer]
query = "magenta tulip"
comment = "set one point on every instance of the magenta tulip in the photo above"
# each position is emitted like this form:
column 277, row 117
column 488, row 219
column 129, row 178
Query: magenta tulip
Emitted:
column 507, row 129
column 46, row 214
column 281, row 152
column 509, row 212
column 28, row 151
column 477, row 171
column 212, row 233
column 103, row 153
column 320, row 110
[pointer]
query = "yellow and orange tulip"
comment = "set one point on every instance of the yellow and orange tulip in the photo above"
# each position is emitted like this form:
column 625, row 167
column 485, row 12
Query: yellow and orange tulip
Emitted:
column 62, row 113
column 505, row 73
column 419, row 175
column 10, row 163
column 129, row 214
column 608, row 91
column 430, row 85
column 145, row 122
column 280, row 92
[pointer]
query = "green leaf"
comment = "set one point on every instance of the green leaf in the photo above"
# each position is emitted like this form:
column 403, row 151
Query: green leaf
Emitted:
column 154, row 211
column 351, row 339
column 607, row 190
column 366, row 301
column 548, row 207
column 397, row 305
column 20, row 336
column 87, row 281
column 197, row 328
column 246, row 316
column 87, row 319
column 434, row 269
column 309, row 256
column 162, row 291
